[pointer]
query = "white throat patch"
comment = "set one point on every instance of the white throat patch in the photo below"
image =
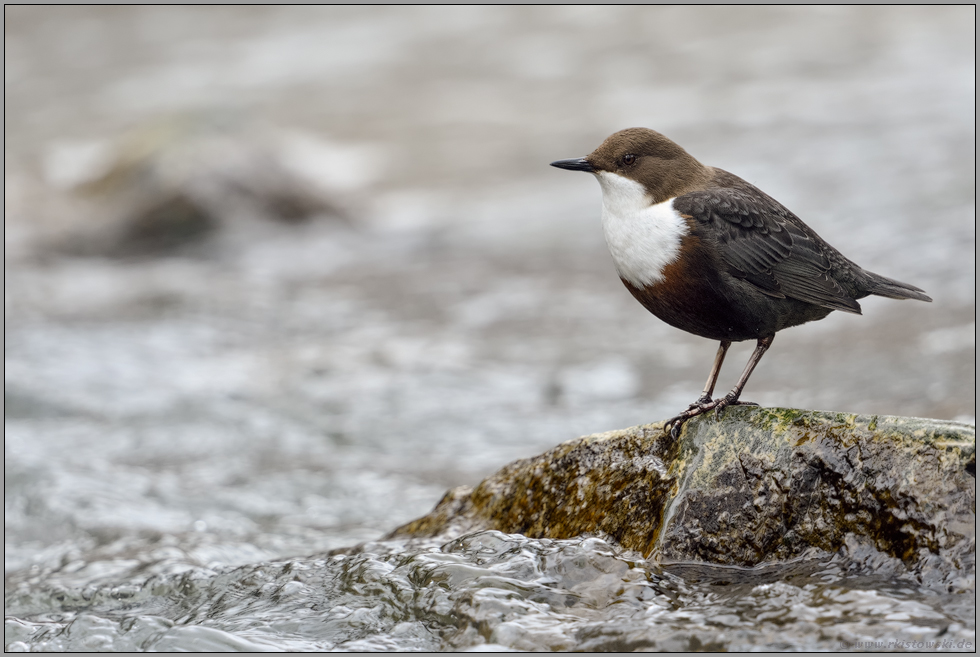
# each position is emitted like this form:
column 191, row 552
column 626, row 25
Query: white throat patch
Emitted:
column 642, row 238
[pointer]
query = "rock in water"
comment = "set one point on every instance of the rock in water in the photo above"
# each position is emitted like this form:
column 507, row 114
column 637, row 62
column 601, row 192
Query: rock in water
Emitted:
column 172, row 185
column 753, row 487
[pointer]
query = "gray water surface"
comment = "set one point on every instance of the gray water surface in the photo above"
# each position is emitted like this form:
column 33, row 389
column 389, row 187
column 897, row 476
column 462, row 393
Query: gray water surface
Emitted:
column 495, row 591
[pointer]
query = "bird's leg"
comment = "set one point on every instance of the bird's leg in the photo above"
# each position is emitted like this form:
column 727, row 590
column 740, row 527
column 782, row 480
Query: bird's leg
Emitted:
column 731, row 399
column 709, row 387
column 705, row 403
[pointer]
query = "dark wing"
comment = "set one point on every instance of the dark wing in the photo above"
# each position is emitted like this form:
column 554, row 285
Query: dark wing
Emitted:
column 767, row 245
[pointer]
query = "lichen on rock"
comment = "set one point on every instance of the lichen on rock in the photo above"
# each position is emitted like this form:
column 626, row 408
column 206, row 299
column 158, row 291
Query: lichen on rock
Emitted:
column 754, row 486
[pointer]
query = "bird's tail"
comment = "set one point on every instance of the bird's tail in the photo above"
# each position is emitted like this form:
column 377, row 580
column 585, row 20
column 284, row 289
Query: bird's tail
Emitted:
column 888, row 287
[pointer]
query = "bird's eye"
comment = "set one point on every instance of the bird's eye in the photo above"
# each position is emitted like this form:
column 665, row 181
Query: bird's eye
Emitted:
column 629, row 159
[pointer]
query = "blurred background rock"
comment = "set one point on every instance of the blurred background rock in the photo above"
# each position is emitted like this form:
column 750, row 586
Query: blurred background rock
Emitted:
column 277, row 277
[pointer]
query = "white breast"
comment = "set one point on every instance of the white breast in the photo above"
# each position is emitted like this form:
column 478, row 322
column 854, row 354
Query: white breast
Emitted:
column 642, row 238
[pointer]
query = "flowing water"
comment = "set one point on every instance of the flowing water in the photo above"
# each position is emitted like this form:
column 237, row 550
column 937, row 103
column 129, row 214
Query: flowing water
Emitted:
column 491, row 591
column 197, row 439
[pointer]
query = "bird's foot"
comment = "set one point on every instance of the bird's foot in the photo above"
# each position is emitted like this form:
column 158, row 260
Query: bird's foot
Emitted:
column 701, row 401
column 729, row 400
column 700, row 407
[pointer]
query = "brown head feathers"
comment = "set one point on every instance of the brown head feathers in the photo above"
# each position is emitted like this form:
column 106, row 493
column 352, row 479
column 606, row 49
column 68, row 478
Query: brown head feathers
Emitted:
column 646, row 156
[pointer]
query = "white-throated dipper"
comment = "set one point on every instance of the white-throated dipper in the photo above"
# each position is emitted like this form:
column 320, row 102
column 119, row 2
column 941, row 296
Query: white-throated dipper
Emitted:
column 712, row 255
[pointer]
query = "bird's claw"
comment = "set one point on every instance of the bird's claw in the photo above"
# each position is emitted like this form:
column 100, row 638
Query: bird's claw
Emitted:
column 722, row 403
column 700, row 407
column 701, row 401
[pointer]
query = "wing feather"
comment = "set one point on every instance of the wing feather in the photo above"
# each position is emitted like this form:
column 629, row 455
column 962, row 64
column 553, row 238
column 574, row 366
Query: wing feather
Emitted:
column 767, row 245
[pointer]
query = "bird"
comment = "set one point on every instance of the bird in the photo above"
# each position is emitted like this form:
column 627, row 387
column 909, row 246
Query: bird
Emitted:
column 713, row 255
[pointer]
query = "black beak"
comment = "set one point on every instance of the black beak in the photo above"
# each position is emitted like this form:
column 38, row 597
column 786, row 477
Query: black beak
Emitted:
column 575, row 164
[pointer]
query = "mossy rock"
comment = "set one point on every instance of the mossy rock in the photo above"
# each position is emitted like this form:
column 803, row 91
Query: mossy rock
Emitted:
column 754, row 486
